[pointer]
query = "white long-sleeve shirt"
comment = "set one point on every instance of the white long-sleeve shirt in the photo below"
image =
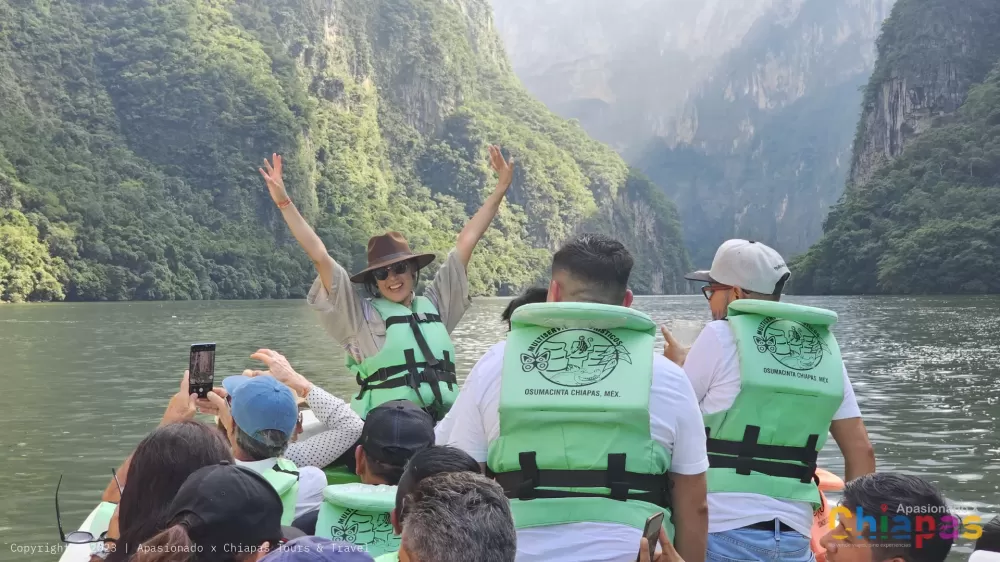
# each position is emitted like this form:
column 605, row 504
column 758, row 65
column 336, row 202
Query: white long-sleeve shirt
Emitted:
column 343, row 431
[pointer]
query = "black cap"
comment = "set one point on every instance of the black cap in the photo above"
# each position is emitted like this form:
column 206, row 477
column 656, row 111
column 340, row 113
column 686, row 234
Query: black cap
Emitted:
column 395, row 431
column 232, row 508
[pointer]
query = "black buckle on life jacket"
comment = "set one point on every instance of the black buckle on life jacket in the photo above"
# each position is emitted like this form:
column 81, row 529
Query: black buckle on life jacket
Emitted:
column 747, row 456
column 617, row 481
column 529, row 473
column 751, row 434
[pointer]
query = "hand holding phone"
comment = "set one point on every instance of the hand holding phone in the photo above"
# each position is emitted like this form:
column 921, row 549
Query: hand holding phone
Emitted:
column 201, row 369
column 651, row 532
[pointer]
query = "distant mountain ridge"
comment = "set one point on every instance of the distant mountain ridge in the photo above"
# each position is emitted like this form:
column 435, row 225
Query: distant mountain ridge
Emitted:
column 748, row 130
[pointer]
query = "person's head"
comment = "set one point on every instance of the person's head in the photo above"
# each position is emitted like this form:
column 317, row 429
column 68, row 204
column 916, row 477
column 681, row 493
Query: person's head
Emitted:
column 264, row 413
column 902, row 497
column 591, row 268
column 438, row 459
column 531, row 295
column 988, row 543
column 456, row 517
column 393, row 269
column 317, row 549
column 393, row 433
column 222, row 513
column 742, row 269
column 160, row 464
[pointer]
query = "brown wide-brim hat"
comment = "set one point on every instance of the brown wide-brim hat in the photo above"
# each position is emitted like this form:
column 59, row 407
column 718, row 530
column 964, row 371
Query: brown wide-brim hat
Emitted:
column 387, row 249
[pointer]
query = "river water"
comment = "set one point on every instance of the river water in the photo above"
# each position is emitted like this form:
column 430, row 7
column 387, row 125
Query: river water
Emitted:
column 85, row 382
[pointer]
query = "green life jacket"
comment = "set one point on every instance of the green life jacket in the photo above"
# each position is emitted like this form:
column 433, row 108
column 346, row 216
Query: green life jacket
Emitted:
column 359, row 514
column 416, row 363
column 574, row 443
column 284, row 477
column 340, row 474
column 791, row 385
column 102, row 518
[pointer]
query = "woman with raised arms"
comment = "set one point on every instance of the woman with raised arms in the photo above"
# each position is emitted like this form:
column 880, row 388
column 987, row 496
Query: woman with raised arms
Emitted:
column 397, row 344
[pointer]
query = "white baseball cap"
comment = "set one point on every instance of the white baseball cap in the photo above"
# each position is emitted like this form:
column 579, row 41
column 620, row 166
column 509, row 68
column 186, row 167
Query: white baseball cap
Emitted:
column 746, row 264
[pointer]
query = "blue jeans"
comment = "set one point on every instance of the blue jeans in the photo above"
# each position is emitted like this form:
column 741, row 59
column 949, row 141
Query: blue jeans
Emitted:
column 758, row 545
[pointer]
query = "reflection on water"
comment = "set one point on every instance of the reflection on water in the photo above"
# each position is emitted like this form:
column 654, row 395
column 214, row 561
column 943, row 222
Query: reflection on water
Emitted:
column 85, row 382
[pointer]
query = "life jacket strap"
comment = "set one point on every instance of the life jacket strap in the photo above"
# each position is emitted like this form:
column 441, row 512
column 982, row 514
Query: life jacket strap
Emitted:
column 277, row 468
column 748, row 456
column 525, row 484
column 416, row 373
column 418, row 317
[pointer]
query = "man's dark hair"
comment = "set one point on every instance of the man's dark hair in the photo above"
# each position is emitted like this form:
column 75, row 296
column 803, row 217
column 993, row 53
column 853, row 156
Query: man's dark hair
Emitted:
column 599, row 266
column 437, row 459
column 892, row 493
column 990, row 539
column 390, row 473
column 529, row 296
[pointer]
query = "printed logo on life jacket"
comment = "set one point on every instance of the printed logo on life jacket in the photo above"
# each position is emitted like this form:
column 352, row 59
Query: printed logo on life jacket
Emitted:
column 794, row 345
column 359, row 527
column 575, row 357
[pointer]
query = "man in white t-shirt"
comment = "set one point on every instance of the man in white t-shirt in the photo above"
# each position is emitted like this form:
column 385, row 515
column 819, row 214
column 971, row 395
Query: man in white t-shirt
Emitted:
column 752, row 526
column 595, row 269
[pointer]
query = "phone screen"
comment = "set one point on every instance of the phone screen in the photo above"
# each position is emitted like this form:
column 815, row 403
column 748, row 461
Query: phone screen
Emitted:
column 201, row 370
column 652, row 532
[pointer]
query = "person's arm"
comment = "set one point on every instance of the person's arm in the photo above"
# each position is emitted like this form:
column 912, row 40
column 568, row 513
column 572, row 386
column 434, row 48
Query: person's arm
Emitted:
column 477, row 225
column 852, row 438
column 676, row 423
column 304, row 233
column 690, row 510
column 344, row 424
column 848, row 430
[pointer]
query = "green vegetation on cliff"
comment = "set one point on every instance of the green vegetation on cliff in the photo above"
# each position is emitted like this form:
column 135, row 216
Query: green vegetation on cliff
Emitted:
column 929, row 222
column 132, row 132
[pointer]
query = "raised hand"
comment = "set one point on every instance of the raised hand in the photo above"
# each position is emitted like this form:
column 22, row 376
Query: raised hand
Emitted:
column 182, row 405
column 673, row 350
column 272, row 177
column 280, row 369
column 503, row 168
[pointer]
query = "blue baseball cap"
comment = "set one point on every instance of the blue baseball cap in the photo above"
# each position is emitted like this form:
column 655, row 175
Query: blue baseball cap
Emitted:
column 260, row 403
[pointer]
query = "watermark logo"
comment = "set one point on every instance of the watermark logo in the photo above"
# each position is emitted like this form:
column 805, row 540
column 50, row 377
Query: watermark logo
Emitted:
column 909, row 524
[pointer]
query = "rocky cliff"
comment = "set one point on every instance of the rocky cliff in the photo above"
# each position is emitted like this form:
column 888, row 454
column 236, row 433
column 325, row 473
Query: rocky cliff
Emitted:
column 922, row 211
column 930, row 53
column 742, row 112
column 132, row 133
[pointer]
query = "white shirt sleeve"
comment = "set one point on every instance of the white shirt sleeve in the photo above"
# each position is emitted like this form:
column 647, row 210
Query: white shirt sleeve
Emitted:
column 312, row 481
column 675, row 418
column 703, row 362
column 467, row 428
column 849, row 407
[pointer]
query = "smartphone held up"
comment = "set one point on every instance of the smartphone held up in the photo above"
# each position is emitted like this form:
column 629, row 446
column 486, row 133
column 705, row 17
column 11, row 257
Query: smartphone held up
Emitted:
column 652, row 533
column 201, row 369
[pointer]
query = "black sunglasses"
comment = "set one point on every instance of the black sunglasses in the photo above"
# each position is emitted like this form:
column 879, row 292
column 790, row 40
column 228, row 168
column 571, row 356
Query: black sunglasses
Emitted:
column 709, row 290
column 80, row 537
column 398, row 268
